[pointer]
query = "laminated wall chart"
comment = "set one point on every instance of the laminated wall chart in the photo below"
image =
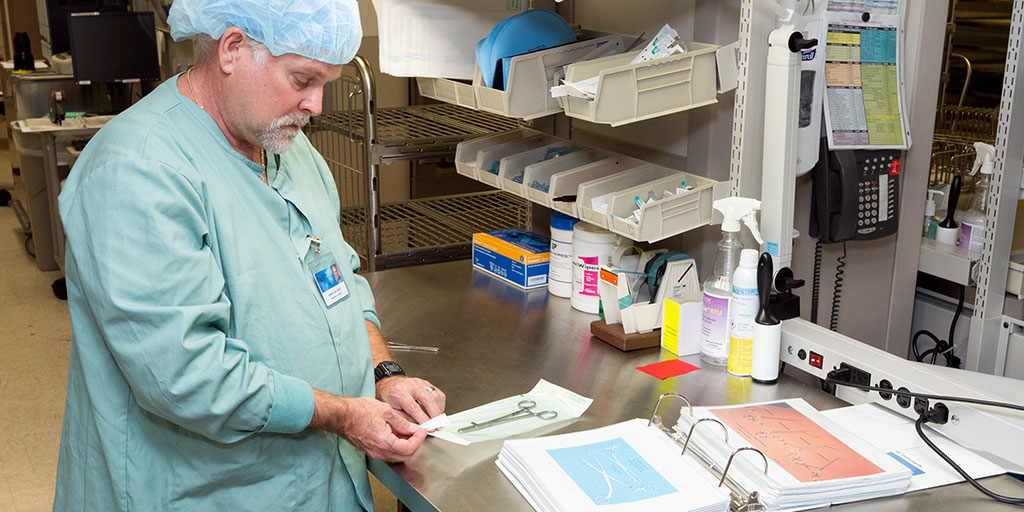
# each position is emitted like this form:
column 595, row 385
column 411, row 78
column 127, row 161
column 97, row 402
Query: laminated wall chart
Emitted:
column 864, row 107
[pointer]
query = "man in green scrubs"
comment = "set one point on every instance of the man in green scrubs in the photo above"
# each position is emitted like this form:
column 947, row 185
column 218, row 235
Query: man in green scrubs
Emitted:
column 223, row 348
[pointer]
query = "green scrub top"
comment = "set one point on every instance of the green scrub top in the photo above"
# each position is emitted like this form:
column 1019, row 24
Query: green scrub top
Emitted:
column 199, row 330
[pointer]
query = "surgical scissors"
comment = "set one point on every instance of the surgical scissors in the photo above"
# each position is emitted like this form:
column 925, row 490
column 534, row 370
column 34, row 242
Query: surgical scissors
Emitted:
column 525, row 411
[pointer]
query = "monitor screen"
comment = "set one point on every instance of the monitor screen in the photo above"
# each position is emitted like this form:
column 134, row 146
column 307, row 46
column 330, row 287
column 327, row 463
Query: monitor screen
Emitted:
column 114, row 47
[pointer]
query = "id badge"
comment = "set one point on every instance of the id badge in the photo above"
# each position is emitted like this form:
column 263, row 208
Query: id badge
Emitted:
column 328, row 278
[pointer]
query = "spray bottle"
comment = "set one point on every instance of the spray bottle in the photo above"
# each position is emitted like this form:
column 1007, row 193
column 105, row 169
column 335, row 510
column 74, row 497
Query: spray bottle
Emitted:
column 930, row 220
column 714, row 343
column 972, row 228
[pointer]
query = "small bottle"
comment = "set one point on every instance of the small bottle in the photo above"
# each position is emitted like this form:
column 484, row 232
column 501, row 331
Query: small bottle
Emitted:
column 930, row 221
column 742, row 310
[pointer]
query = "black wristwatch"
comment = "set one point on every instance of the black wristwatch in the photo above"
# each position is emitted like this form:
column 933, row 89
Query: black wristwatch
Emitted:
column 387, row 369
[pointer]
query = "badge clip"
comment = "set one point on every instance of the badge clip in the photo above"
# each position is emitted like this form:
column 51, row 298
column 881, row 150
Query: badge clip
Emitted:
column 315, row 241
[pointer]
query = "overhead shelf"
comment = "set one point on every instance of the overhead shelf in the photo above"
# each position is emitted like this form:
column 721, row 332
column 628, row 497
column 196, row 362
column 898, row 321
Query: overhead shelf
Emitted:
column 596, row 186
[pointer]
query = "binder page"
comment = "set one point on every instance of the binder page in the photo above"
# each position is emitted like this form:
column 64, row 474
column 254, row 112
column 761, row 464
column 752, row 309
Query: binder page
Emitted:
column 615, row 468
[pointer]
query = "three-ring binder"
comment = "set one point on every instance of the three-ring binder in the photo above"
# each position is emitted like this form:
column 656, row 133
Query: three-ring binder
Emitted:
column 741, row 500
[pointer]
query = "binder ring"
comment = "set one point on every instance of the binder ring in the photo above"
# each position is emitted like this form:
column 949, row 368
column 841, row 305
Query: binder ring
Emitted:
column 690, row 435
column 729, row 463
column 662, row 397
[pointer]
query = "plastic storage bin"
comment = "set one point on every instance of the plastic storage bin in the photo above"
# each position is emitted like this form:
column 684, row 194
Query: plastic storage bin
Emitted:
column 568, row 183
column 666, row 216
column 531, row 75
column 632, row 92
column 488, row 159
column 466, row 152
column 514, row 166
column 606, row 189
column 447, row 91
column 541, row 172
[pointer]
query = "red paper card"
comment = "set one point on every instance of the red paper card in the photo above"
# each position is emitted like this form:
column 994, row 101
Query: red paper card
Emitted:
column 666, row 369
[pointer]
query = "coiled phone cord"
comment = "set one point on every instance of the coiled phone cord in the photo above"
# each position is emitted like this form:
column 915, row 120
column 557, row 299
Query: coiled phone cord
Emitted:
column 837, row 291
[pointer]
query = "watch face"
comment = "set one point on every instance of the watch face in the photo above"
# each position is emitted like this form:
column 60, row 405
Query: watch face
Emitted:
column 387, row 369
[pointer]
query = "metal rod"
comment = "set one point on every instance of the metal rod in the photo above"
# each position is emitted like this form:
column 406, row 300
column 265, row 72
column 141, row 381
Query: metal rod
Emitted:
column 372, row 184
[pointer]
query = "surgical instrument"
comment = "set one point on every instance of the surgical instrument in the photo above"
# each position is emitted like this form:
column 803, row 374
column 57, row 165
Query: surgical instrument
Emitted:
column 525, row 411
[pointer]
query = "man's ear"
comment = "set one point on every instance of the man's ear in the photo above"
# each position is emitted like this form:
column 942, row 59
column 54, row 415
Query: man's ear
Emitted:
column 229, row 49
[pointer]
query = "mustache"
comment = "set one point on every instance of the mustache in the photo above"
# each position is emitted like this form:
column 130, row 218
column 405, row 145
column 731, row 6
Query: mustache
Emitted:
column 299, row 119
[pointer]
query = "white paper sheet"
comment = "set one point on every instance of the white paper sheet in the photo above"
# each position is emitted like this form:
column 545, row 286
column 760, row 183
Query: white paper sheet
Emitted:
column 548, row 396
column 895, row 435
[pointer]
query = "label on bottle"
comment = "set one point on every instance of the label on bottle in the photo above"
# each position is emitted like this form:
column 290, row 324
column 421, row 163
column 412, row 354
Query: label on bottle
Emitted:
column 971, row 237
column 584, row 275
column 714, row 329
column 742, row 311
column 741, row 354
column 560, row 264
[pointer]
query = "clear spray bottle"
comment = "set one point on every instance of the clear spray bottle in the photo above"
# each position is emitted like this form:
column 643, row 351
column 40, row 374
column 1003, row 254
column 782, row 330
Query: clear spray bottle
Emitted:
column 972, row 228
column 714, row 343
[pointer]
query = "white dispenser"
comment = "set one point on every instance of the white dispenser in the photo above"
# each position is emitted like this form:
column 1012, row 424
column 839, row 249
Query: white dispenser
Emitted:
column 930, row 222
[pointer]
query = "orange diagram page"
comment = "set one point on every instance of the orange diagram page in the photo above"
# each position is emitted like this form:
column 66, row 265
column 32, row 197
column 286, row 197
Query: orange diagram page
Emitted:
column 796, row 443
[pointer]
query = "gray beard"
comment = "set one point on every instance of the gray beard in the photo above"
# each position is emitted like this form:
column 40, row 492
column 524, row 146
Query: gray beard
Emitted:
column 275, row 139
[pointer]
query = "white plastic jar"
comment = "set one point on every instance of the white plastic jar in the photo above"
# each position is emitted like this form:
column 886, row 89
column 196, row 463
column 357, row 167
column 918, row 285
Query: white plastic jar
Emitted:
column 591, row 247
column 560, row 264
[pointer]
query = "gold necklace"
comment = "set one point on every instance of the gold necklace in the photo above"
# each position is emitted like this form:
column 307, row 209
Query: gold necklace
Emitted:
column 195, row 97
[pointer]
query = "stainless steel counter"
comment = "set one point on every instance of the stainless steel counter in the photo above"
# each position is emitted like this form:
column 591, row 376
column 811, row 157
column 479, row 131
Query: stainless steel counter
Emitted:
column 496, row 341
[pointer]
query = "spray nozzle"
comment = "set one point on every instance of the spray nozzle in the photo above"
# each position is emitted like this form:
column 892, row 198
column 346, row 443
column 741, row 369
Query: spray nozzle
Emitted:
column 985, row 159
column 736, row 209
column 932, row 192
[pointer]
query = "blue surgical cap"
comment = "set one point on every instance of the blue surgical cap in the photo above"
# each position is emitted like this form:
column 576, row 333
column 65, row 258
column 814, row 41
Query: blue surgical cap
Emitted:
column 324, row 30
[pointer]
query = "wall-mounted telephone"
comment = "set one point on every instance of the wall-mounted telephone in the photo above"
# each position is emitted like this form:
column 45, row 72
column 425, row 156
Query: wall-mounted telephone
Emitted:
column 856, row 194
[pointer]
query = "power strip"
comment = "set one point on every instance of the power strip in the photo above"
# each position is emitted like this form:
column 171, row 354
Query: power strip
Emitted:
column 996, row 432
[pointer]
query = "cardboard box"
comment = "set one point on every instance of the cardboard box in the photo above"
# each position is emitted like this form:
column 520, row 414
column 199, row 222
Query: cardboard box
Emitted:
column 680, row 333
column 513, row 255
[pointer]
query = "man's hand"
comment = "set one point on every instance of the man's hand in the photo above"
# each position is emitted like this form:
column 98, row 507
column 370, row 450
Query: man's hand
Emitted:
column 416, row 398
column 369, row 424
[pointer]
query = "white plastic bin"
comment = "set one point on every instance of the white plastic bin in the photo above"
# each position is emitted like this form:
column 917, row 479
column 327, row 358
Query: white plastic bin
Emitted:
column 605, row 189
column 568, row 183
column 466, row 152
column 514, row 166
column 542, row 172
column 666, row 216
column 531, row 75
column 632, row 92
column 489, row 159
column 447, row 91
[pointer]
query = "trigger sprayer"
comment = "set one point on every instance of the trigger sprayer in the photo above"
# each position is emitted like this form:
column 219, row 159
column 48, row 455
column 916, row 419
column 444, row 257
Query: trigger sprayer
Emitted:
column 972, row 228
column 714, row 344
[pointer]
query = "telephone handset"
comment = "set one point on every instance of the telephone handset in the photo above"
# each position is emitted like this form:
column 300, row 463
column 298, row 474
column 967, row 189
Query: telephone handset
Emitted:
column 856, row 194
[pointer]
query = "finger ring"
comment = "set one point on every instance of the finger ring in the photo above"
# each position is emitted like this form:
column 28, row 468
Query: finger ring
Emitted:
column 431, row 389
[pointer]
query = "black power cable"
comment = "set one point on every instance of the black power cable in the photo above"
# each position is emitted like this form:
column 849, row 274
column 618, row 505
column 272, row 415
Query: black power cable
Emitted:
column 942, row 348
column 938, row 414
column 816, row 286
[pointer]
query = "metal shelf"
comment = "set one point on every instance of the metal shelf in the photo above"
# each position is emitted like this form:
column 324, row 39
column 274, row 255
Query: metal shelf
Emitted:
column 434, row 229
column 948, row 262
column 408, row 133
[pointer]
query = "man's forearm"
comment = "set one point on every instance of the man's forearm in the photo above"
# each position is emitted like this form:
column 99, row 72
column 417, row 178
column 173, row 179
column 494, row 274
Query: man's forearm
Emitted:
column 378, row 345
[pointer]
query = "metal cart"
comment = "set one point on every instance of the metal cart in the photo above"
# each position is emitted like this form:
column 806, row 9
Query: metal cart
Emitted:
column 355, row 138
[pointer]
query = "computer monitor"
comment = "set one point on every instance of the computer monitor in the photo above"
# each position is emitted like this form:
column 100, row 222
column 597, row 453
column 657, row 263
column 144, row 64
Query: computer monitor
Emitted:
column 114, row 47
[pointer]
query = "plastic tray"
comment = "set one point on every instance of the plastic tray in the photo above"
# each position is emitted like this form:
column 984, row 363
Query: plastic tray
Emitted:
column 568, row 183
column 466, row 152
column 448, row 91
column 515, row 165
column 614, row 185
column 666, row 216
column 531, row 75
column 491, row 157
column 628, row 93
column 543, row 171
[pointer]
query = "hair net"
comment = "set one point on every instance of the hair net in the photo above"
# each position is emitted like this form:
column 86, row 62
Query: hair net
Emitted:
column 324, row 30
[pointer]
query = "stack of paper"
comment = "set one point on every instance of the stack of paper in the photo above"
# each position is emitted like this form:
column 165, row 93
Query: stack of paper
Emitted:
column 627, row 466
column 812, row 461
